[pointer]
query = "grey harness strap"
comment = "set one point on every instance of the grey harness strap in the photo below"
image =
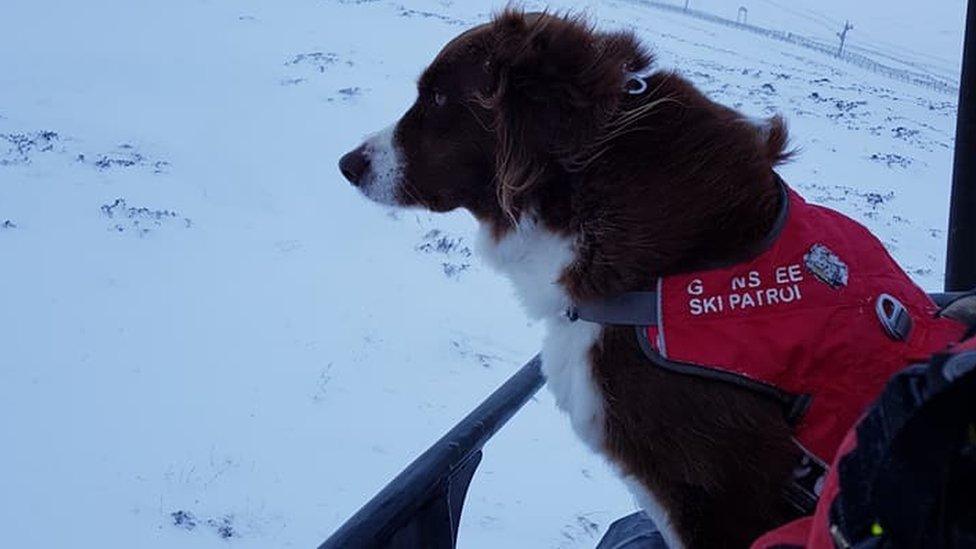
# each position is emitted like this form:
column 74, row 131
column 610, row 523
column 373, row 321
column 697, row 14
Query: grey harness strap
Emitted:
column 626, row 309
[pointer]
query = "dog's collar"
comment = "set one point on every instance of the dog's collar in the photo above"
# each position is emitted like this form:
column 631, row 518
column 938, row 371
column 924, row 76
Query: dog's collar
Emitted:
column 641, row 308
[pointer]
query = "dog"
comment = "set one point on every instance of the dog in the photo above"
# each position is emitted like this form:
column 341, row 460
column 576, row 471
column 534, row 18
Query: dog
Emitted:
column 590, row 175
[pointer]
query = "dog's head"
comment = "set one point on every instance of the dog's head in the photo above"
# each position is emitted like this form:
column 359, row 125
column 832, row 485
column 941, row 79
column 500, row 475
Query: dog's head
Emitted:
column 541, row 115
column 503, row 108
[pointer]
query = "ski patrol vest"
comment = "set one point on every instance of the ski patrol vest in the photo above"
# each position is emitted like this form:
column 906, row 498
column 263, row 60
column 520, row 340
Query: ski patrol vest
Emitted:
column 818, row 319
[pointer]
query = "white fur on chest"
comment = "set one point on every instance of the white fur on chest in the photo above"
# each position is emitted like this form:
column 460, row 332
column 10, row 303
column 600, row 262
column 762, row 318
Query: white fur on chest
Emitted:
column 534, row 259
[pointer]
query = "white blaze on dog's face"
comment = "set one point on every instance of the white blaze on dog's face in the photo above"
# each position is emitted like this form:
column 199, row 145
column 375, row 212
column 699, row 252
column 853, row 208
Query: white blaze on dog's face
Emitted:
column 381, row 175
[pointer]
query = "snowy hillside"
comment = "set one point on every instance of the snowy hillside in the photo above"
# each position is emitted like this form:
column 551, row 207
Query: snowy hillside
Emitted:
column 209, row 339
column 926, row 37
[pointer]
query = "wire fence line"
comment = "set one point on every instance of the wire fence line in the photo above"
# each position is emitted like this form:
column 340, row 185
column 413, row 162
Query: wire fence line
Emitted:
column 853, row 58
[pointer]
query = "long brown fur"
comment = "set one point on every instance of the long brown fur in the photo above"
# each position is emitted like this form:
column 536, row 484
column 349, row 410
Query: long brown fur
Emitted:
column 537, row 123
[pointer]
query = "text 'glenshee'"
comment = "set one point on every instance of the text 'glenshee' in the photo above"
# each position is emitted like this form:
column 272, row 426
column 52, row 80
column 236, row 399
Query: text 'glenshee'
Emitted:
column 748, row 291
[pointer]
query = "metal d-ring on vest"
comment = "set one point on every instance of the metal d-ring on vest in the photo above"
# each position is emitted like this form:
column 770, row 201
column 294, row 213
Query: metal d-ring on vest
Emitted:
column 894, row 317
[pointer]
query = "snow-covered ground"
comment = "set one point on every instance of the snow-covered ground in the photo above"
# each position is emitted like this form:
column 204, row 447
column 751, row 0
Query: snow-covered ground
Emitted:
column 208, row 339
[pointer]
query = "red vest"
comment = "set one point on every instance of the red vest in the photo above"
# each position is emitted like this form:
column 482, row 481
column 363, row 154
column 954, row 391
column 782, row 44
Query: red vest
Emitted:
column 824, row 313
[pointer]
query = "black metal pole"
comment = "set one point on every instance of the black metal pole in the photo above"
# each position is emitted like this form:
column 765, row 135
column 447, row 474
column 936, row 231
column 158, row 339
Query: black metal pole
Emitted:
column 961, row 252
column 420, row 508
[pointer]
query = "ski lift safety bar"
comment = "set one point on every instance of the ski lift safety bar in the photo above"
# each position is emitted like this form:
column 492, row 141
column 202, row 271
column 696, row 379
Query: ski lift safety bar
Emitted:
column 422, row 506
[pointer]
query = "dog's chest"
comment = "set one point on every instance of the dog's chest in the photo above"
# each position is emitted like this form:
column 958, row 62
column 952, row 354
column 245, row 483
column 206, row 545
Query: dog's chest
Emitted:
column 534, row 259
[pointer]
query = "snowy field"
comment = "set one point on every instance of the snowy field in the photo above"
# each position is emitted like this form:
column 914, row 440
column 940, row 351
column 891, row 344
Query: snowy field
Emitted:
column 208, row 339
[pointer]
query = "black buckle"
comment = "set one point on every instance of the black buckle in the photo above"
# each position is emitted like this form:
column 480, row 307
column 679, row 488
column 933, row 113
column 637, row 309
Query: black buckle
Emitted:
column 809, row 475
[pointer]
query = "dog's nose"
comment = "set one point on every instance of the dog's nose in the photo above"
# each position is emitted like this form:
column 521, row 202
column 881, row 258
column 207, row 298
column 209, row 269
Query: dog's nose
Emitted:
column 354, row 165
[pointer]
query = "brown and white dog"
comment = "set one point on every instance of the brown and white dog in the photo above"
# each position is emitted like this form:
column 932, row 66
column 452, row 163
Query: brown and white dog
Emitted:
column 584, row 190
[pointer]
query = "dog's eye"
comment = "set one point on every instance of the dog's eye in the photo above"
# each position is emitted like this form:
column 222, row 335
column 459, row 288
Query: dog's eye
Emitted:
column 440, row 99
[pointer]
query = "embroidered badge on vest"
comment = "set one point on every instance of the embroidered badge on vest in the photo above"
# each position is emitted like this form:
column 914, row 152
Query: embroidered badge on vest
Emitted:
column 826, row 266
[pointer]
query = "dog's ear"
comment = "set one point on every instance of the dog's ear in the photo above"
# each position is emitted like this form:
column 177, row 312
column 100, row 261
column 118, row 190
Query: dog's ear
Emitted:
column 555, row 82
